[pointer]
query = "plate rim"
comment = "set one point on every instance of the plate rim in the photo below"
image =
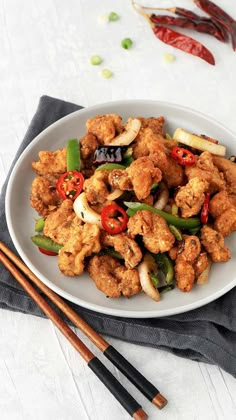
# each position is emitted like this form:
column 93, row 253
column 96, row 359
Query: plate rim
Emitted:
column 91, row 306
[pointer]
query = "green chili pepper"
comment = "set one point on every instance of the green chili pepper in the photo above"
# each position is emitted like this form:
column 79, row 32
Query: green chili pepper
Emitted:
column 166, row 266
column 112, row 253
column 109, row 167
column 164, row 289
column 155, row 280
column 170, row 219
column 194, row 231
column 39, row 224
column 73, row 155
column 176, row 232
column 46, row 243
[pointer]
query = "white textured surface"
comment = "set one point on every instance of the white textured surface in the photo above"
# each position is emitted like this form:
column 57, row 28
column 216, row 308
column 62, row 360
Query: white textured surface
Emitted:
column 45, row 49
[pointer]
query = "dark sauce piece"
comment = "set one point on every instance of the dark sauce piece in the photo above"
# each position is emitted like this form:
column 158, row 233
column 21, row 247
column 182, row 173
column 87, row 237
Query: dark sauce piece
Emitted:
column 109, row 154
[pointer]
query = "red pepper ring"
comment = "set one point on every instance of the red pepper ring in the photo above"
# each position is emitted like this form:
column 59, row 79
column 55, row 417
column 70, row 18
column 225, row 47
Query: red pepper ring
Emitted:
column 205, row 209
column 70, row 185
column 46, row 252
column 183, row 156
column 114, row 219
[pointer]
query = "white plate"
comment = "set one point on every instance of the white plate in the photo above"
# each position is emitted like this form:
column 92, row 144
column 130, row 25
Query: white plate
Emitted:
column 82, row 290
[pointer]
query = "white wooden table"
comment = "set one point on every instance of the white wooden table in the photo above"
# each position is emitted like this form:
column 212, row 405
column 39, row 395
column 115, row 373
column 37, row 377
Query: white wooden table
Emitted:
column 45, row 49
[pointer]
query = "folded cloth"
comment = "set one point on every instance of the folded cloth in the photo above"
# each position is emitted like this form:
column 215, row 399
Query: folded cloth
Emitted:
column 207, row 334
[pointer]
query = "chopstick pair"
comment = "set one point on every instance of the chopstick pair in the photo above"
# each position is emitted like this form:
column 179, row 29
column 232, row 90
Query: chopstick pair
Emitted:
column 118, row 391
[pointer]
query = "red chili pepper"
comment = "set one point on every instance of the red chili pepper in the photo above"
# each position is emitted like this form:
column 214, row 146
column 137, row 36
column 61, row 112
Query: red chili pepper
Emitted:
column 114, row 219
column 221, row 16
column 183, row 156
column 203, row 26
column 70, row 185
column 46, row 252
column 183, row 42
column 205, row 209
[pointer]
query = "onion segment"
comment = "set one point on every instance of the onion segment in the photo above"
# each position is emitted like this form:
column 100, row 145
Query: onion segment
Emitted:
column 203, row 278
column 115, row 194
column 144, row 270
column 84, row 212
column 162, row 198
column 132, row 128
column 199, row 143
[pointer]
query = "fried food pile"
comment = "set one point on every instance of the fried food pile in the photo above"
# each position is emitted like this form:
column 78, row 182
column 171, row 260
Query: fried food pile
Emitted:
column 161, row 207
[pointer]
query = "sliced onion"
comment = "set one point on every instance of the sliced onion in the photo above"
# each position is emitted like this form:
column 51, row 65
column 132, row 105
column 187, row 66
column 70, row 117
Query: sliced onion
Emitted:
column 132, row 128
column 84, row 212
column 162, row 198
column 199, row 143
column 145, row 280
column 114, row 194
column 203, row 278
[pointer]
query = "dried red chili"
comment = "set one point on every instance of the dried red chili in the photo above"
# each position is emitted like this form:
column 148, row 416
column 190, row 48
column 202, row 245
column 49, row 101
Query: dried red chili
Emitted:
column 205, row 209
column 183, row 156
column 206, row 27
column 221, row 16
column 183, row 42
column 114, row 219
column 70, row 185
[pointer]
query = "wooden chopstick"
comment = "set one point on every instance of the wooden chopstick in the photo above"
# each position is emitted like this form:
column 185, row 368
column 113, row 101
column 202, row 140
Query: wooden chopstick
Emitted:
column 148, row 389
column 100, row 370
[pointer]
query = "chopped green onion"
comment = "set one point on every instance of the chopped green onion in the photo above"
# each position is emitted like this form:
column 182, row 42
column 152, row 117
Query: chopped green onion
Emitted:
column 73, row 155
column 95, row 60
column 106, row 73
column 126, row 43
column 39, row 224
column 170, row 219
column 176, row 232
column 113, row 17
column 174, row 210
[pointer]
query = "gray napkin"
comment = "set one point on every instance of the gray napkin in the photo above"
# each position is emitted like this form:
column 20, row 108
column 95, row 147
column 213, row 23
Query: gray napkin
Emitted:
column 207, row 334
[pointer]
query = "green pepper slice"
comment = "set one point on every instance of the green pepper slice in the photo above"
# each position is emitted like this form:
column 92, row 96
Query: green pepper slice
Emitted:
column 166, row 266
column 39, row 224
column 109, row 167
column 170, row 219
column 73, row 155
column 46, row 243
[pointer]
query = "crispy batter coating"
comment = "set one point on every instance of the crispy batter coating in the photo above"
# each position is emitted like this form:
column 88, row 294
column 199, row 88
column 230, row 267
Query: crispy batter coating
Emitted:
column 190, row 197
column 62, row 224
column 184, row 268
column 112, row 278
column 154, row 230
column 50, row 162
column 213, row 242
column 226, row 222
column 96, row 187
column 125, row 245
column 219, row 203
column 229, row 171
column 201, row 263
column 151, row 145
column 88, row 145
column 83, row 243
column 139, row 176
column 155, row 124
column 205, row 169
column 104, row 127
column 44, row 197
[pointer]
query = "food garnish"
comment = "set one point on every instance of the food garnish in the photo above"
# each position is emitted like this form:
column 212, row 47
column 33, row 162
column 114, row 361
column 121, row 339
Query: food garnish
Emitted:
column 70, row 185
column 126, row 43
column 114, row 219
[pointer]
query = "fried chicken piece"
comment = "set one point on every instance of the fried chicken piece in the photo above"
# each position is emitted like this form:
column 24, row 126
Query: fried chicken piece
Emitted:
column 125, row 245
column 213, row 242
column 153, row 146
column 84, row 242
column 191, row 197
column 96, row 187
column 226, row 222
column 104, row 127
column 204, row 168
column 61, row 224
column 154, row 230
column 112, row 278
column 229, row 171
column 201, row 263
column 224, row 212
column 50, row 162
column 184, row 264
column 141, row 175
column 155, row 124
column 44, row 197
column 88, row 145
